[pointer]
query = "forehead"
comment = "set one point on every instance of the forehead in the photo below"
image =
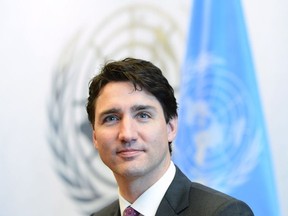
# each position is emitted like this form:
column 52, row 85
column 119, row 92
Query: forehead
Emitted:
column 124, row 94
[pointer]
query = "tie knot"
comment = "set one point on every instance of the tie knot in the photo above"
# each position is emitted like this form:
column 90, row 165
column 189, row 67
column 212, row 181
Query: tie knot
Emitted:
column 129, row 211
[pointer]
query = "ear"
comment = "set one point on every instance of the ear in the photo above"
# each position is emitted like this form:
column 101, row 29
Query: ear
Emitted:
column 95, row 139
column 172, row 127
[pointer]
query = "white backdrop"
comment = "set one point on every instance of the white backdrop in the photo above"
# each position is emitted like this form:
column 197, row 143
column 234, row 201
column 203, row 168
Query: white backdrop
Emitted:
column 33, row 34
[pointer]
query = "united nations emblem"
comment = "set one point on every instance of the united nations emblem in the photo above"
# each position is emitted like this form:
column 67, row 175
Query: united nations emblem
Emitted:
column 137, row 31
column 218, row 120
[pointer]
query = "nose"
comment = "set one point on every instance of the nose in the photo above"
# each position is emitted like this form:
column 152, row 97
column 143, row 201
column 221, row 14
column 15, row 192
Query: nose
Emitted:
column 128, row 130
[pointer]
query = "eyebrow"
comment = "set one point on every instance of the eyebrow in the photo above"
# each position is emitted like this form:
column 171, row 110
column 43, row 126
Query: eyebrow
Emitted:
column 134, row 108
column 109, row 111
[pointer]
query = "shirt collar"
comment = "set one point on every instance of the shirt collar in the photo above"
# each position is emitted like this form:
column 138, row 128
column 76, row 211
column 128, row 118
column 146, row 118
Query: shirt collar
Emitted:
column 148, row 203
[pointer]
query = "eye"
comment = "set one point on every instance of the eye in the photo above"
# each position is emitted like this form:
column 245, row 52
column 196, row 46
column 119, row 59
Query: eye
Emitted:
column 144, row 115
column 110, row 119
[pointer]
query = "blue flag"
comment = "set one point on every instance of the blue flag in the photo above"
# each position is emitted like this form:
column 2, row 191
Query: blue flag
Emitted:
column 222, row 140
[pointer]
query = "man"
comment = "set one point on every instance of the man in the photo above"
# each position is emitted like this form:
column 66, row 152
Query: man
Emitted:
column 133, row 112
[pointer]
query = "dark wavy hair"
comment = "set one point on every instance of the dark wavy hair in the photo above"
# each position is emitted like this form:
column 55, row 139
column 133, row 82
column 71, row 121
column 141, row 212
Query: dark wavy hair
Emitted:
column 143, row 75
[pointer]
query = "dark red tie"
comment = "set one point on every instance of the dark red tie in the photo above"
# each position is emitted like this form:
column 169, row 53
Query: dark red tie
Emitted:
column 129, row 211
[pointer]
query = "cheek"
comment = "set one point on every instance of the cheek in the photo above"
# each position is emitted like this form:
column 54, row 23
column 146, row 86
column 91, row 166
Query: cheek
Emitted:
column 104, row 150
column 103, row 140
column 157, row 137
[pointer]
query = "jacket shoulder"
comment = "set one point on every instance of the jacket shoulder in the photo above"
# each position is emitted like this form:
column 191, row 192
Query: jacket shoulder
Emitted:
column 209, row 201
column 184, row 197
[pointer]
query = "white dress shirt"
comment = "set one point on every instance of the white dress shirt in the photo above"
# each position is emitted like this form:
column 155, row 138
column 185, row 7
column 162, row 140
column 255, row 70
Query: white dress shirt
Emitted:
column 148, row 203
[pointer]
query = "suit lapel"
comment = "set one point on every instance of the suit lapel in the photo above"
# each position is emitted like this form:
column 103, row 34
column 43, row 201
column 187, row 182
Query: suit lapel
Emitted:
column 113, row 209
column 116, row 210
column 176, row 198
column 117, row 213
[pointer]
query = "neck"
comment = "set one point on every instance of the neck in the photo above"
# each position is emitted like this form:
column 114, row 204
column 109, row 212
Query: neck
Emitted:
column 133, row 187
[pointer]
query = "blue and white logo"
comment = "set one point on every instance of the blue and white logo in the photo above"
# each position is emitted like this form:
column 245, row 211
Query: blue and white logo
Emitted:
column 219, row 121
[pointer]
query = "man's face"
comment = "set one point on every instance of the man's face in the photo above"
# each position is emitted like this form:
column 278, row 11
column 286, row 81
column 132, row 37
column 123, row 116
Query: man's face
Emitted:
column 130, row 132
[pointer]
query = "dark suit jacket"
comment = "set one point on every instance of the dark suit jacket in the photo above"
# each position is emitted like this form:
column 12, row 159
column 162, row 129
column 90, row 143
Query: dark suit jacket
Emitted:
column 187, row 198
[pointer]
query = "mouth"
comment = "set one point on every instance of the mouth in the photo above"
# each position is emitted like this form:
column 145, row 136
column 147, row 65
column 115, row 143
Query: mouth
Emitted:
column 129, row 153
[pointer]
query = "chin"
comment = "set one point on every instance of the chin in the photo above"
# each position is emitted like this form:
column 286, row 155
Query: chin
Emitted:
column 131, row 171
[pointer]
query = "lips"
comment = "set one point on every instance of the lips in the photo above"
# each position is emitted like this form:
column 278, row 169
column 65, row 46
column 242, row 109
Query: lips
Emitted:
column 128, row 153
